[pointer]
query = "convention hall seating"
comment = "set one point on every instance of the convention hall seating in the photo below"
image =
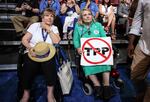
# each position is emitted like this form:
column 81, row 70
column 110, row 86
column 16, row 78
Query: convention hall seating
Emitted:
column 8, row 34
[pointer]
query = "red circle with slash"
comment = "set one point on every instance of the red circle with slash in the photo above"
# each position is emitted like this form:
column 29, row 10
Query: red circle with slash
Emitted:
column 95, row 50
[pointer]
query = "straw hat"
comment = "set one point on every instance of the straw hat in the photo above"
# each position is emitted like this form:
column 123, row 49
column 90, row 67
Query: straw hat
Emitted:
column 43, row 51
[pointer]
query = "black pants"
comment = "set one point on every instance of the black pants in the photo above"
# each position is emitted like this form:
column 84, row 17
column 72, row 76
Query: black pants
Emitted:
column 31, row 68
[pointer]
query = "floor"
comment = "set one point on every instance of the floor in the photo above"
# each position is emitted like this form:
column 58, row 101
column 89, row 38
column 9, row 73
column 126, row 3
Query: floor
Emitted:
column 9, row 84
column 9, row 79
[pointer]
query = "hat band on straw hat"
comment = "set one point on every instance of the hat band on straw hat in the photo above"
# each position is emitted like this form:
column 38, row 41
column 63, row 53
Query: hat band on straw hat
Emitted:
column 43, row 51
column 43, row 56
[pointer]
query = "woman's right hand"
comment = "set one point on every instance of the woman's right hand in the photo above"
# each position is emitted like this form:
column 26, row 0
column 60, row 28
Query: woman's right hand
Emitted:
column 130, row 50
column 79, row 51
column 107, row 28
column 32, row 53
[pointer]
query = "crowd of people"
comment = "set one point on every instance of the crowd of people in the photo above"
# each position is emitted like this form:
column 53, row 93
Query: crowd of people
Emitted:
column 67, row 13
column 38, row 23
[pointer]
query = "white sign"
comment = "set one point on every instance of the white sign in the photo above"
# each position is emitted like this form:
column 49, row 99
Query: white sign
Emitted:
column 96, row 51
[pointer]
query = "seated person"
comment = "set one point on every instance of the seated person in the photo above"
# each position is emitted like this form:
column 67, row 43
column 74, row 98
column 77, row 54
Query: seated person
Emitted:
column 55, row 6
column 69, row 11
column 89, row 4
column 34, row 60
column 52, row 4
column 87, row 27
column 29, row 10
column 106, row 12
column 123, row 12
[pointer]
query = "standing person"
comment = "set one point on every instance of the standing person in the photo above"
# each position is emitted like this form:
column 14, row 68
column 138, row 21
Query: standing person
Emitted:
column 46, row 32
column 141, row 55
column 87, row 27
column 132, row 11
column 133, row 8
column 106, row 12
column 30, row 11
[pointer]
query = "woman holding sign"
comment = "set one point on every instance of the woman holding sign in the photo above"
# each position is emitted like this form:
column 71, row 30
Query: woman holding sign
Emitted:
column 87, row 27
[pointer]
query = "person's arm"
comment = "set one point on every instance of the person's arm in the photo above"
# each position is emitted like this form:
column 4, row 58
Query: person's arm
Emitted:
column 111, row 11
column 131, row 46
column 35, row 7
column 42, row 5
column 35, row 10
column 63, row 8
column 57, row 8
column 137, row 20
column 32, row 7
column 97, row 14
column 87, row 4
column 19, row 6
column 53, row 32
column 100, row 10
column 26, row 39
column 133, row 8
column 76, row 39
column 120, row 9
column 101, row 30
column 77, row 8
column 55, row 37
column 97, row 11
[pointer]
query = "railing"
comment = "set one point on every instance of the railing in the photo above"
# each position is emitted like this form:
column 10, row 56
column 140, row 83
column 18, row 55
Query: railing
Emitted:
column 63, row 42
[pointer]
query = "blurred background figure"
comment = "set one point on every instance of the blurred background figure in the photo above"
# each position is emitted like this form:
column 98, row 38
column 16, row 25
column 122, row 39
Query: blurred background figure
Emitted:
column 140, row 67
column 123, row 12
column 69, row 15
column 108, row 17
column 52, row 4
column 29, row 10
column 55, row 6
column 89, row 4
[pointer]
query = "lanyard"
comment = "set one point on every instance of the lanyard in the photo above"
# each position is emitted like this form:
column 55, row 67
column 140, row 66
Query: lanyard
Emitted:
column 87, row 31
column 44, row 36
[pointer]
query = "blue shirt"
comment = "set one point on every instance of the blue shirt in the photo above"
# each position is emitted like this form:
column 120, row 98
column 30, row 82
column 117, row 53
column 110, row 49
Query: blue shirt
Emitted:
column 55, row 5
column 93, row 7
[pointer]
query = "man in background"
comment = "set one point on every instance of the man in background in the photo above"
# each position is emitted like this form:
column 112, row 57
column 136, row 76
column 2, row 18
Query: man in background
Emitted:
column 29, row 14
column 141, row 54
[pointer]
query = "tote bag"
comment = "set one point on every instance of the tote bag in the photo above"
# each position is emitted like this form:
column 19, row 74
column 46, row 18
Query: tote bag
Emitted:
column 64, row 71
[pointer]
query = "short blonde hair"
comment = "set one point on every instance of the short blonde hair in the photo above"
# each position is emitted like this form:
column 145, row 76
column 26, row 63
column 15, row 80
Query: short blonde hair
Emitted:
column 49, row 11
column 80, row 20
